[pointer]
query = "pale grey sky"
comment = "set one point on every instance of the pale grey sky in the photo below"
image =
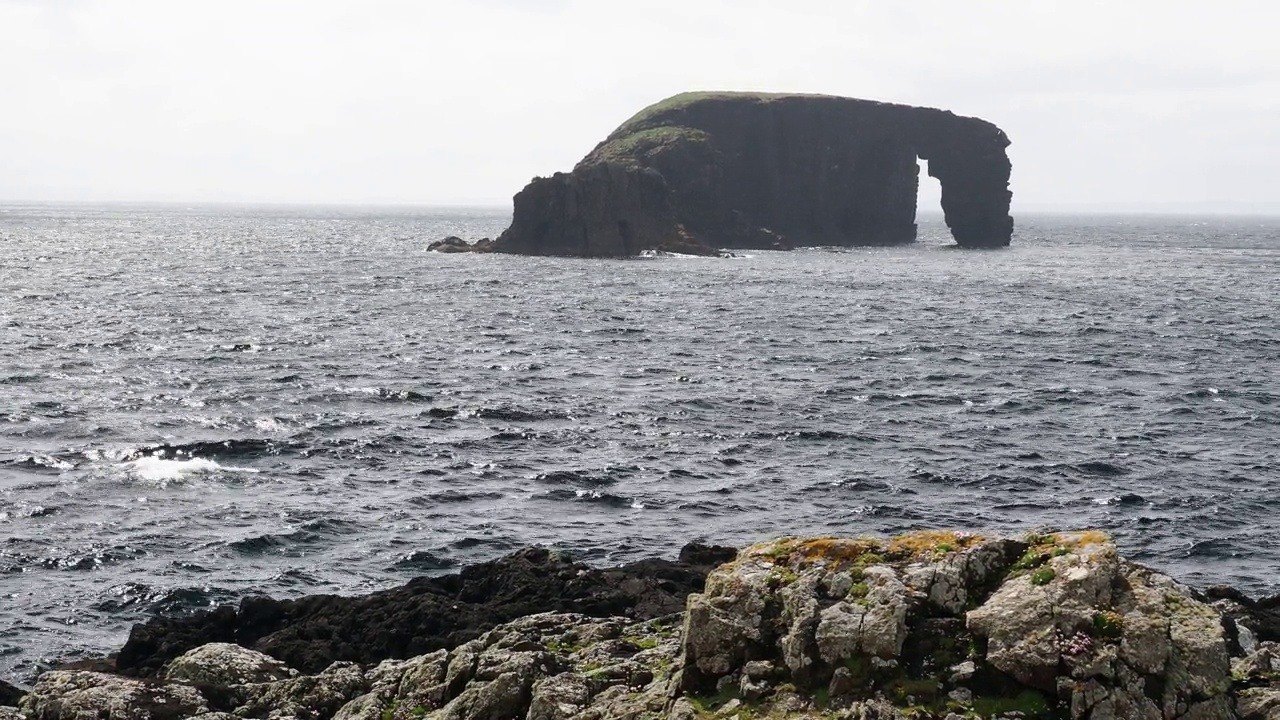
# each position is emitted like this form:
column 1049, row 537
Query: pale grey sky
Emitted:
column 1114, row 105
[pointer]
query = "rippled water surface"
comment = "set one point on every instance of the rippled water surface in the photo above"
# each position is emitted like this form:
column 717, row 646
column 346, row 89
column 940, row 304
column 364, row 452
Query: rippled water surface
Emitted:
column 200, row 403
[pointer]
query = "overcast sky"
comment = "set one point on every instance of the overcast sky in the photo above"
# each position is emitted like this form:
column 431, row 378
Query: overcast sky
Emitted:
column 1114, row 105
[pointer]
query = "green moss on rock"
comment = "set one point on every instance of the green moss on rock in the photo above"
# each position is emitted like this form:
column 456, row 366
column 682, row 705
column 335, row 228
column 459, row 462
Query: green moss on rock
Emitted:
column 1029, row 703
column 1043, row 576
column 655, row 113
column 628, row 148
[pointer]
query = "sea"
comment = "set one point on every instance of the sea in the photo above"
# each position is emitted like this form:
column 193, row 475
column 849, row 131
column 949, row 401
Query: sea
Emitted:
column 199, row 403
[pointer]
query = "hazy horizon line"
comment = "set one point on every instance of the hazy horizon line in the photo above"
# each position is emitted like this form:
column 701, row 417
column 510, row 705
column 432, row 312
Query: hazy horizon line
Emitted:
column 1171, row 208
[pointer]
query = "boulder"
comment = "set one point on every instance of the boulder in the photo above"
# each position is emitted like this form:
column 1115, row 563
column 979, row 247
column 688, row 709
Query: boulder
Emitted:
column 451, row 244
column 1251, row 620
column 306, row 697
column 454, row 244
column 226, row 664
column 1262, row 703
column 77, row 695
column 10, row 694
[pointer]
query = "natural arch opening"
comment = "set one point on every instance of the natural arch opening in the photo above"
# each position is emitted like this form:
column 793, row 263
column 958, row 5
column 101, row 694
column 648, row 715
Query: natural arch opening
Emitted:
column 929, row 218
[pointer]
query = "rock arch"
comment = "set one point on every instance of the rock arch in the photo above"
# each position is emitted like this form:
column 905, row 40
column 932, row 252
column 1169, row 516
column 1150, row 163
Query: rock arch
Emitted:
column 701, row 171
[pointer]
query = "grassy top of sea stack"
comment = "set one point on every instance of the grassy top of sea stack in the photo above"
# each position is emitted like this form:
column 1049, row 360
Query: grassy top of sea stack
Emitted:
column 662, row 125
column 676, row 103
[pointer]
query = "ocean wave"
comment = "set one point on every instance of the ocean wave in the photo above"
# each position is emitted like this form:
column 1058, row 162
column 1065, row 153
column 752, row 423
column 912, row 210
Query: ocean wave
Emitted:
column 447, row 497
column 514, row 413
column 1100, row 467
column 812, row 436
column 231, row 448
column 1128, row 498
column 132, row 598
column 594, row 497
column 582, row 477
column 159, row 470
column 91, row 558
column 284, row 543
column 387, row 394
column 424, row 560
column 20, row 379
column 493, row 544
column 41, row 463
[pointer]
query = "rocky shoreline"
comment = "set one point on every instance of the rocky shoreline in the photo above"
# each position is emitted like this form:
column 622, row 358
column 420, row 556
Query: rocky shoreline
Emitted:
column 929, row 625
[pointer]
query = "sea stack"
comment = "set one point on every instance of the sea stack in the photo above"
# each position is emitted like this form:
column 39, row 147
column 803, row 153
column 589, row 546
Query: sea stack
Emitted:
column 701, row 171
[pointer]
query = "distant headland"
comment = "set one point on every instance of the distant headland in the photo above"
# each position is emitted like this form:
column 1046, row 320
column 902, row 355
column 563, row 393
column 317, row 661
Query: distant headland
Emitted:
column 708, row 170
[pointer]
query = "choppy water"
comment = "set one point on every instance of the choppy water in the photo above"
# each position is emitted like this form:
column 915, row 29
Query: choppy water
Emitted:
column 197, row 404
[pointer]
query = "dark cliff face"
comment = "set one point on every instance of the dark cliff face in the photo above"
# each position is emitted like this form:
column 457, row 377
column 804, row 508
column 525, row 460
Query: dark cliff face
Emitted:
column 708, row 170
column 604, row 210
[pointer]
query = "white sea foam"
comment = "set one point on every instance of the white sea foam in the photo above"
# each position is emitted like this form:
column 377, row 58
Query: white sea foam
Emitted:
column 666, row 254
column 268, row 424
column 52, row 462
column 160, row 470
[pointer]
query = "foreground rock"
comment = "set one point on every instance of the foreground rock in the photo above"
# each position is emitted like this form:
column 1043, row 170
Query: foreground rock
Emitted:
column 1050, row 626
column 701, row 171
column 541, row 666
column 427, row 613
column 933, row 625
column 82, row 694
column 9, row 695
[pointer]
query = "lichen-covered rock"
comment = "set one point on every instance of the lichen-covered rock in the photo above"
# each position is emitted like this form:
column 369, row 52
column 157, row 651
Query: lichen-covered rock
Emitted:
column 559, row 697
column 226, row 664
column 306, row 697
column 726, row 622
column 504, row 696
column 1259, row 703
column 424, row 682
column 80, row 695
column 873, row 623
column 8, row 712
column 553, row 666
column 937, row 623
column 1263, row 663
column 1032, row 620
column 813, row 605
column 949, row 581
